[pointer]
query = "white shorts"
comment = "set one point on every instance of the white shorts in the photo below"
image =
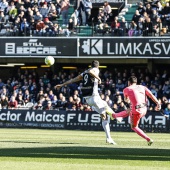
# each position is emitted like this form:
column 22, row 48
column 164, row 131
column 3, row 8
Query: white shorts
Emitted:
column 97, row 103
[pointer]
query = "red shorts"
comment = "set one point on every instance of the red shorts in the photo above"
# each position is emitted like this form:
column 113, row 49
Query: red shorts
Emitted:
column 136, row 115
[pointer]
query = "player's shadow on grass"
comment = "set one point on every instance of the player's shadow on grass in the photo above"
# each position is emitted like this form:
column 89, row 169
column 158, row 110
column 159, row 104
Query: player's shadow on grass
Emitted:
column 89, row 153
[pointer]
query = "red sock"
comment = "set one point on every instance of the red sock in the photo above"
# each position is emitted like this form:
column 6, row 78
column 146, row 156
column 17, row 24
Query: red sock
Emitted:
column 120, row 114
column 141, row 133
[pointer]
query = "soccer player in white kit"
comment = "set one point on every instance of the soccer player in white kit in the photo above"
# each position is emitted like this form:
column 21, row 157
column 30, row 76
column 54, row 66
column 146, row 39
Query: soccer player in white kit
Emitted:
column 91, row 79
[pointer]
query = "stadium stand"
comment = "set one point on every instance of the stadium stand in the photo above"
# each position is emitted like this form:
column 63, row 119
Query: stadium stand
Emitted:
column 13, row 14
column 26, row 90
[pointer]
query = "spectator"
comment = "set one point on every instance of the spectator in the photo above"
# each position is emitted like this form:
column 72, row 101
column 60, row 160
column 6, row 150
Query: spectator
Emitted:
column 164, row 102
column 64, row 11
column 52, row 15
column 167, row 111
column 2, row 19
column 49, row 28
column 120, row 86
column 73, row 108
column 87, row 9
column 141, row 8
column 38, row 106
column 45, row 101
column 78, row 103
column 25, row 30
column 147, row 27
column 71, row 25
column 27, row 4
column 19, row 4
column 167, row 115
column 108, row 100
column 148, row 9
column 13, row 104
column 38, row 17
column 4, row 102
column 20, row 101
column 42, row 2
column 107, row 10
column 132, row 29
column 58, row 6
column 21, row 16
column 30, row 16
column 136, row 17
column 123, row 27
column 115, row 27
column 154, row 16
column 78, row 6
column 157, row 26
column 115, row 108
column 39, row 95
column 22, row 9
column 26, row 96
column 17, row 27
column 70, row 103
column 40, row 28
column 166, row 88
column 4, row 6
column 51, row 95
column 62, row 103
column 4, row 91
column 49, row 106
column 44, row 11
column 1, row 84
column 13, row 12
column 122, row 106
column 87, row 108
column 54, row 101
column 101, row 18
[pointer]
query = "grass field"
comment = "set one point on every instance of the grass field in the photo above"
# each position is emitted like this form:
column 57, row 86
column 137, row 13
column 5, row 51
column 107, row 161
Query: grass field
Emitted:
column 31, row 149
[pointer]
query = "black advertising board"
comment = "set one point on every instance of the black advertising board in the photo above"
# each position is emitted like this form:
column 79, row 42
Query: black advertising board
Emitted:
column 52, row 119
column 38, row 47
column 86, row 47
column 32, row 118
column 125, row 47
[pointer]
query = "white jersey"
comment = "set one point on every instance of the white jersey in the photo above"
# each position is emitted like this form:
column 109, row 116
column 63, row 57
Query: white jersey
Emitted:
column 95, row 88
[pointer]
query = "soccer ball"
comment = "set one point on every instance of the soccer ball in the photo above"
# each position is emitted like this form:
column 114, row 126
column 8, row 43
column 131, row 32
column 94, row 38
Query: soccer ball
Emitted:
column 49, row 60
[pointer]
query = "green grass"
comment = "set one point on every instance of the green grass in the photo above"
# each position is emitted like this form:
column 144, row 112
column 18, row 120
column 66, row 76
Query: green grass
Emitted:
column 31, row 149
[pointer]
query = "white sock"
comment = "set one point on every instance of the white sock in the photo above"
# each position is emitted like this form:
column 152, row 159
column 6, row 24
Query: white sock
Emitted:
column 106, row 127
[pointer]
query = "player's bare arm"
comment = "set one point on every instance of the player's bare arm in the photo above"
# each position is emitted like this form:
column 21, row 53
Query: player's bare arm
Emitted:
column 154, row 99
column 92, row 73
column 76, row 79
column 126, row 99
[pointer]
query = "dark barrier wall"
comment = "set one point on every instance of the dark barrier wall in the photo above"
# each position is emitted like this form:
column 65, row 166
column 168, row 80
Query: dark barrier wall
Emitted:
column 125, row 47
column 152, row 122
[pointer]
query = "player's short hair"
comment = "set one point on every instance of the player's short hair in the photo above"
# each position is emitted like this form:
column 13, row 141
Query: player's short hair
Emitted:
column 132, row 79
column 95, row 63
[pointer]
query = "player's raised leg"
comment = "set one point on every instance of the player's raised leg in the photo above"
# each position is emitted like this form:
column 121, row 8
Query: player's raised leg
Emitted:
column 121, row 115
column 135, row 118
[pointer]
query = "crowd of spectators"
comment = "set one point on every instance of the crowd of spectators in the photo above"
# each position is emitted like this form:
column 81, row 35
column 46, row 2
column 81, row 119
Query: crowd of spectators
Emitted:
column 151, row 18
column 26, row 88
column 34, row 17
column 40, row 18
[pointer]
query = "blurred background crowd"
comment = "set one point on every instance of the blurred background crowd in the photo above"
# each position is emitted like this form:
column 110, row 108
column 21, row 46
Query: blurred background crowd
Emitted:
column 61, row 17
column 28, row 90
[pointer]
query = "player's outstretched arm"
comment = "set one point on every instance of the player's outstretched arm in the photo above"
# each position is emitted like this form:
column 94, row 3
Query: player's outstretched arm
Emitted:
column 76, row 79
